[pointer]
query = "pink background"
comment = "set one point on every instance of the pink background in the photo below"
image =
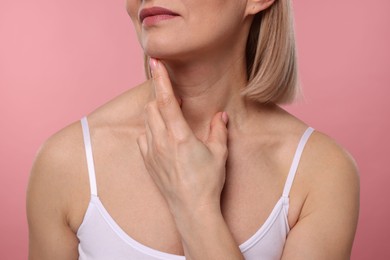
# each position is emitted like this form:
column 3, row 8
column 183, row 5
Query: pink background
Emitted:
column 61, row 59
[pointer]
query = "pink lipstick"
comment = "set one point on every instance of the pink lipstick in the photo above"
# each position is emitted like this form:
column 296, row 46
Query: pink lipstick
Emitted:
column 153, row 15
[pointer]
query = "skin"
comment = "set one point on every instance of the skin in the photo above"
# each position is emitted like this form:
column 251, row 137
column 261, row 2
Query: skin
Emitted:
column 142, row 141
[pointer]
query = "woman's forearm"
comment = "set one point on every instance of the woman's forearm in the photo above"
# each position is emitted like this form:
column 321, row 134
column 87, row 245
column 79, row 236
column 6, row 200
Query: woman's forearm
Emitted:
column 205, row 235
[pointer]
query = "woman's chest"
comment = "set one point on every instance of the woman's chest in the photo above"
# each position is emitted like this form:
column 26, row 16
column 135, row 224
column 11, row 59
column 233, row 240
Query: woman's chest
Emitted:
column 253, row 186
column 139, row 209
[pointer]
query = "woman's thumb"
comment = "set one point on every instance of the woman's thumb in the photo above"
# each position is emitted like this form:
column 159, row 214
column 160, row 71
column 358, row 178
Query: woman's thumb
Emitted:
column 218, row 131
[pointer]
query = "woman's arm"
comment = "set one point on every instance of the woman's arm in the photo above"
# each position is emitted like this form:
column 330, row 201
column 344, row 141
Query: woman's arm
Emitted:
column 205, row 235
column 327, row 223
column 189, row 173
column 50, row 236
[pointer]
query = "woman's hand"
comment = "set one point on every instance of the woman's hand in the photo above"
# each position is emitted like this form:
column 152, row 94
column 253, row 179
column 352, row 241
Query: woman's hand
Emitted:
column 189, row 173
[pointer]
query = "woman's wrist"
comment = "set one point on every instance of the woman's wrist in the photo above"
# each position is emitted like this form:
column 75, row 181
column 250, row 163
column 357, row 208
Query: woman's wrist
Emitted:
column 190, row 216
column 205, row 234
column 192, row 212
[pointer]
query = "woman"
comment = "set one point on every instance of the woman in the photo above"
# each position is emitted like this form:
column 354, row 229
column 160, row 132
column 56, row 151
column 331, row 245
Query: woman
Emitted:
column 198, row 162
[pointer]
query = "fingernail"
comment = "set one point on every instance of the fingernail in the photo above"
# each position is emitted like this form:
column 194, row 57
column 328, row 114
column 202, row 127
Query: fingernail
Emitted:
column 225, row 117
column 153, row 64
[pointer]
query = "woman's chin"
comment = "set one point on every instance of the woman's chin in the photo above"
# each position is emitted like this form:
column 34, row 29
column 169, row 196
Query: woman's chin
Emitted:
column 167, row 48
column 165, row 54
column 158, row 53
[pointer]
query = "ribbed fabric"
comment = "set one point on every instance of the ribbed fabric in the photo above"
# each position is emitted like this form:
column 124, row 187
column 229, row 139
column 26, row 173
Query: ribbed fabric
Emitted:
column 101, row 237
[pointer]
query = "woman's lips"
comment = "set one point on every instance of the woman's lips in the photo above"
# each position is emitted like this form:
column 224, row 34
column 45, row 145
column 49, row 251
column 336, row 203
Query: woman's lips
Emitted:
column 153, row 15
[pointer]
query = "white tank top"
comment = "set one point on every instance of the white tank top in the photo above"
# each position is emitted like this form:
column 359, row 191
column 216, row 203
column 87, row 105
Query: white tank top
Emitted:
column 102, row 238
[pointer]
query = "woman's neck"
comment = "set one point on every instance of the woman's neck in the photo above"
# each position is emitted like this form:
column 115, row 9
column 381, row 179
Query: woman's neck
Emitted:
column 206, row 88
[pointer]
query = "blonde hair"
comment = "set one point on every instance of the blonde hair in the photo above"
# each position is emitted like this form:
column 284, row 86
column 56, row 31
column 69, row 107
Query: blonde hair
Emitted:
column 272, row 69
column 271, row 56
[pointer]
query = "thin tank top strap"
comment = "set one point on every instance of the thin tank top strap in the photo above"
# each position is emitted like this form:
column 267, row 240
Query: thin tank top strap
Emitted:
column 89, row 155
column 295, row 162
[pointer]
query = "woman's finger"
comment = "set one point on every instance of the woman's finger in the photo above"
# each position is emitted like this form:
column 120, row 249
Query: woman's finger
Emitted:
column 142, row 145
column 166, row 100
column 217, row 140
column 148, row 134
column 155, row 122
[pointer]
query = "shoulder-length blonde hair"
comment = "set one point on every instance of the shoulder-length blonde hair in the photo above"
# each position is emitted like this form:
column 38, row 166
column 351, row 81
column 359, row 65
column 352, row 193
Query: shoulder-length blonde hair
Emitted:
column 272, row 68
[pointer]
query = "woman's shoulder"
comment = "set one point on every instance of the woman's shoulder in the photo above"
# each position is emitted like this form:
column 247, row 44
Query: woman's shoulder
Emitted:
column 62, row 156
column 323, row 157
column 329, row 152
column 329, row 166
column 59, row 151
column 125, row 108
column 325, row 188
column 322, row 153
column 55, row 177
column 328, row 179
column 324, row 162
column 66, row 144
